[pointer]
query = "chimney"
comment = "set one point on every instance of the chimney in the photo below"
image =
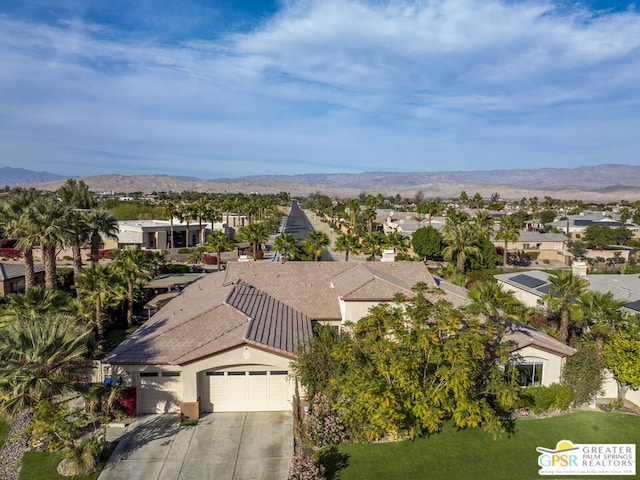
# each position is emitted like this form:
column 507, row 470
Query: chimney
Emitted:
column 579, row 268
column 388, row 255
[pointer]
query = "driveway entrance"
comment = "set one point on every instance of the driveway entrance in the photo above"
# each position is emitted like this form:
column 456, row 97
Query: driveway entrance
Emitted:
column 225, row 446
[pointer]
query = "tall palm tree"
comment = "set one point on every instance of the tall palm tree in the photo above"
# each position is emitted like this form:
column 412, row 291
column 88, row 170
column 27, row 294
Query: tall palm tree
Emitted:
column 369, row 215
column 462, row 243
column 78, row 233
column 347, row 243
column 372, row 244
column 99, row 288
column 101, row 223
column 17, row 221
column 52, row 218
column 219, row 242
column 564, row 291
column 509, row 231
column 602, row 313
column 133, row 267
column 170, row 211
column 354, row 209
column 315, row 243
column 199, row 209
column 285, row 243
column 254, row 234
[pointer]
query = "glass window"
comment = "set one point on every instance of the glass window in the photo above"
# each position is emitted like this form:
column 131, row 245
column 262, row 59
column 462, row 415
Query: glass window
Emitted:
column 529, row 374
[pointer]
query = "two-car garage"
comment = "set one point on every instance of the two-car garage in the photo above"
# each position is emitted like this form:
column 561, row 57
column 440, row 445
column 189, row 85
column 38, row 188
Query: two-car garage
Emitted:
column 238, row 389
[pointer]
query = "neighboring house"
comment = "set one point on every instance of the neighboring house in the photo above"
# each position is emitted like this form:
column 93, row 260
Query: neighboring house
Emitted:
column 155, row 234
column 575, row 225
column 226, row 341
column 537, row 357
column 531, row 286
column 12, row 277
column 548, row 246
column 406, row 222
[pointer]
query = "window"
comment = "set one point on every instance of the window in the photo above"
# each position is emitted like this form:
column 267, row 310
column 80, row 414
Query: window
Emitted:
column 257, row 373
column 215, row 374
column 170, row 374
column 529, row 374
column 525, row 246
column 279, row 372
column 148, row 374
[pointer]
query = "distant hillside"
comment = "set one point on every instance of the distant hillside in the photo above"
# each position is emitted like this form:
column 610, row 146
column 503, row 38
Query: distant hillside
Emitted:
column 20, row 176
column 598, row 183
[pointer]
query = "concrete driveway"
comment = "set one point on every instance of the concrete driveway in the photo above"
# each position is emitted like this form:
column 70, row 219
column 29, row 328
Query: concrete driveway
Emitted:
column 225, row 446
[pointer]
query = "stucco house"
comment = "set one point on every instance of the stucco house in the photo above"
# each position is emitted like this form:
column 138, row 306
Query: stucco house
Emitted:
column 12, row 277
column 226, row 341
column 574, row 226
column 547, row 246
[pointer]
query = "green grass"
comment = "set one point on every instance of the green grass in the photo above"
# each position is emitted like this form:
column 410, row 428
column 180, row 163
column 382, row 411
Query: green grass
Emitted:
column 42, row 466
column 474, row 454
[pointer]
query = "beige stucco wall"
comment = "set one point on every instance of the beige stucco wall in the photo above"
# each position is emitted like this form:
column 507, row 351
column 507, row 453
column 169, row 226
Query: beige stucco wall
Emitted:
column 354, row 311
column 526, row 298
column 610, row 390
column 552, row 363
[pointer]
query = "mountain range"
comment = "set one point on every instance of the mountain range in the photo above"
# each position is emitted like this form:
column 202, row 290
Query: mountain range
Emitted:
column 608, row 182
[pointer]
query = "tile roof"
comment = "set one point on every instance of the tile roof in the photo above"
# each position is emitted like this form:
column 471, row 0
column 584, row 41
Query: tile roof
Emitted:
column 267, row 304
column 15, row 270
column 520, row 336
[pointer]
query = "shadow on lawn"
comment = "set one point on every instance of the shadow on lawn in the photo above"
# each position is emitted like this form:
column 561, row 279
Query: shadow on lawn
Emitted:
column 333, row 461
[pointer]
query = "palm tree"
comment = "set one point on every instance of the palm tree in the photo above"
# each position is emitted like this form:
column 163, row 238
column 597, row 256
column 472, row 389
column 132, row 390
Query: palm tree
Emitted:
column 77, row 235
column 219, row 242
column 254, row 234
column 372, row 244
column 491, row 300
column 369, row 215
column 133, row 267
column 40, row 357
column 101, row 223
column 429, row 208
column 52, row 218
column 347, row 243
column 17, row 222
column 483, row 223
column 36, row 301
column 169, row 211
column 564, row 291
column 509, row 231
column 397, row 241
column 602, row 313
column 315, row 243
column 285, row 243
column 461, row 240
column 199, row 209
column 354, row 208
column 99, row 288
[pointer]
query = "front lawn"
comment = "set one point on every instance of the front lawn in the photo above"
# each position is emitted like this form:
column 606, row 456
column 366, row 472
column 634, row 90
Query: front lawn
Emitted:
column 474, row 454
column 42, row 466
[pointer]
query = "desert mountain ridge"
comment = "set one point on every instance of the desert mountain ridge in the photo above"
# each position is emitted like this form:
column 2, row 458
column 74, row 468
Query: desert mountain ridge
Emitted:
column 607, row 182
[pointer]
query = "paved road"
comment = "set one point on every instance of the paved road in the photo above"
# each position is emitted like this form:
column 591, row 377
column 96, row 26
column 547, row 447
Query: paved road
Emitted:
column 222, row 446
column 299, row 226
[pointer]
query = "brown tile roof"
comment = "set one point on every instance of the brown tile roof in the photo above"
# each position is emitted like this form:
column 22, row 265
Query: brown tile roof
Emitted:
column 267, row 304
column 520, row 336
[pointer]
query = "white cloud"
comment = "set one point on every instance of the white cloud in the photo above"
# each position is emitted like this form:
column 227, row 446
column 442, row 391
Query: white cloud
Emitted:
column 357, row 86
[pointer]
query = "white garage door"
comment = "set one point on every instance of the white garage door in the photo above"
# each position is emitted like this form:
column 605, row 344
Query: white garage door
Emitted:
column 251, row 391
column 159, row 392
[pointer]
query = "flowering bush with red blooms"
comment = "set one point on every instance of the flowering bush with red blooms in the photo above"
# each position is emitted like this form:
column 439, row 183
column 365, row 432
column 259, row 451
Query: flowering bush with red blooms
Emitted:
column 108, row 254
column 209, row 260
column 10, row 253
column 125, row 401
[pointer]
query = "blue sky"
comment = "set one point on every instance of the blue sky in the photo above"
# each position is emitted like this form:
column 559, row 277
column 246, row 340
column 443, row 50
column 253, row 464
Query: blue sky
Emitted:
column 222, row 88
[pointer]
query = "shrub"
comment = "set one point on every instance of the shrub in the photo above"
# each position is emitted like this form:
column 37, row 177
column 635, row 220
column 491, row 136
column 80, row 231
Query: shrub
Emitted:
column 107, row 254
column 583, row 372
column 555, row 396
column 304, row 467
column 533, row 256
column 11, row 253
column 324, row 423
